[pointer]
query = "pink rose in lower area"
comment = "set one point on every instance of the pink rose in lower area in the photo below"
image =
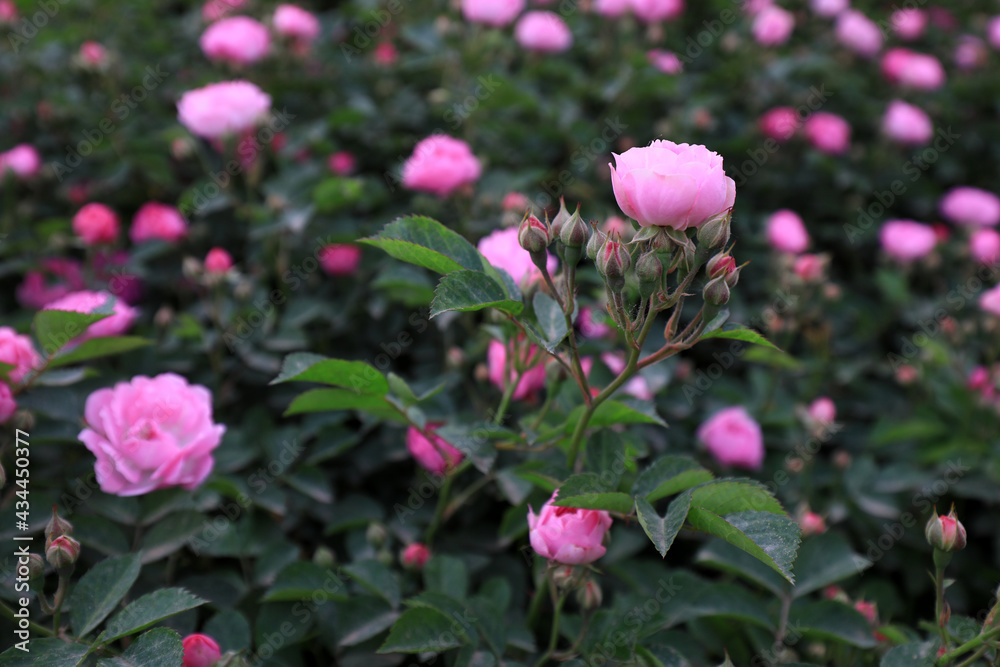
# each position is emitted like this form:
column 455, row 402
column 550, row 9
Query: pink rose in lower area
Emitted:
column 858, row 33
column 811, row 523
column 239, row 40
column 502, row 249
column 531, row 381
column 223, row 109
column 568, row 535
column 496, row 13
column 342, row 163
column 86, row 301
column 151, row 433
column 970, row 206
column 988, row 301
column 780, row 123
column 431, row 451
column 340, row 259
column 906, row 240
column 19, row 352
column 907, row 124
column 544, row 32
column 672, row 185
column 7, row 403
column 734, row 438
column 218, row 261
column 23, row 160
column 158, row 222
column 773, row 26
column 786, row 232
column 96, row 223
column 440, row 165
column 295, row 22
column 984, row 246
column 655, row 11
column 200, row 651
column 828, row 132
column 415, row 556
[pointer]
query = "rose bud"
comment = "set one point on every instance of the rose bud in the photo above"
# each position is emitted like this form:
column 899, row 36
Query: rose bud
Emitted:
column 325, row 557
column 200, row 651
column 376, row 534
column 415, row 556
column 63, row 552
column 566, row 534
column 596, row 242
column 811, row 523
column 733, row 438
column 56, row 527
column 721, row 265
column 564, row 577
column 36, row 566
column 945, row 532
column 649, row 269
column 716, row 292
column 575, row 232
column 715, row 233
column 533, row 234
column 613, row 262
column 561, row 217
column 867, row 609
column 218, row 261
column 589, row 596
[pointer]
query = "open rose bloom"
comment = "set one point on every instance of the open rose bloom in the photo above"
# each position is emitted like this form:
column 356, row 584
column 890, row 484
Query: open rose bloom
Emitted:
column 568, row 535
column 151, row 433
column 734, row 438
column 239, row 40
column 223, row 109
column 440, row 165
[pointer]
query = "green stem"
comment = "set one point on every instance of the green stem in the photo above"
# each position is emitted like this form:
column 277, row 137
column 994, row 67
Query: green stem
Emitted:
column 443, row 500
column 557, row 601
column 974, row 657
column 461, row 498
column 536, row 607
column 537, row 421
column 939, row 606
column 34, row 627
column 970, row 645
column 508, row 393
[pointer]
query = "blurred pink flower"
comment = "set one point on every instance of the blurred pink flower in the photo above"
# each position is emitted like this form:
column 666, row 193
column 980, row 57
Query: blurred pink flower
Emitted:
column 655, row 11
column 515, row 201
column 590, row 326
column 970, row 206
column 36, row 291
column 990, row 301
column 218, row 261
column 828, row 8
column 827, row 132
column 502, row 249
column 158, row 222
column 993, row 32
column 611, row 9
column 96, row 223
column 970, row 53
column 19, row 352
column 809, row 267
column 223, row 109
column 906, row 240
column 544, row 32
column 213, row 10
column 786, row 232
column 734, row 438
column 665, row 61
column 914, row 70
column 86, row 301
column 415, row 556
column 907, row 124
column 531, row 381
column 385, row 54
column 636, row 386
column 93, row 54
column 431, row 451
column 984, row 246
column 440, row 165
column 858, row 33
column 908, row 23
column 823, row 410
column 779, row 123
column 8, row 406
column 23, row 159
column 8, row 11
column 239, row 40
column 293, row 21
column 811, row 523
column 342, row 163
column 496, row 13
column 340, row 259
column 566, row 534
column 773, row 26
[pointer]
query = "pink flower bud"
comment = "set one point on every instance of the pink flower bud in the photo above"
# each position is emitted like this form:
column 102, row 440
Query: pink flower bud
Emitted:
column 868, row 610
column 589, row 595
column 858, row 33
column 415, row 556
column 218, row 261
column 809, row 268
column 340, row 259
column 92, row 54
column 23, row 159
column 159, row 222
column 979, row 379
column 200, row 651
column 566, row 534
column 96, row 223
column 385, row 54
column 575, row 233
column 733, row 438
column 717, row 291
column 62, row 552
column 945, row 532
column 827, row 132
column 906, row 240
column 295, row 22
column 779, row 123
column 342, row 163
column 786, row 232
column 907, row 124
column 665, row 61
column 908, row 23
column 721, row 265
column 984, row 246
column 773, row 26
column 811, row 523
column 533, row 235
column 431, row 451
column 614, row 261
column 823, row 411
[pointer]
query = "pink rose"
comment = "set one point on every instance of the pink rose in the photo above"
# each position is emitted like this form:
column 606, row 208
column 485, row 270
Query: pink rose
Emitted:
column 96, row 223
column 502, row 249
column 568, row 535
column 809, row 268
column 531, row 381
column 993, row 32
column 773, row 26
column 496, row 13
column 828, row 8
column 218, row 261
column 440, row 165
column 93, row 54
column 200, row 651
column 672, row 185
column 295, row 22
column 858, row 33
column 908, row 23
column 785, row 232
column 979, row 379
column 223, row 109
column 23, row 159
column 828, row 133
column 914, row 70
column 970, row 53
column 544, row 32
column 415, row 556
column 990, row 301
column 655, row 11
column 665, row 61
column 611, row 9
column 823, row 410
column 19, row 352
column 970, row 206
column 984, row 246
column 906, row 240
column 340, row 259
column 8, row 11
column 734, row 438
column 342, row 163
column 515, row 201
column 159, row 222
column 637, row 386
column 151, row 433
column 907, row 124
column 239, row 40
column 8, row 406
column 431, row 451
column 385, row 54
column 779, row 123
column 811, row 523
column 87, row 302
column 36, row 291
column 213, row 10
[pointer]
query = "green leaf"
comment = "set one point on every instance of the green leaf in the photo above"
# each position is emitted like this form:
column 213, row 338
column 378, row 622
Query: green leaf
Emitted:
column 471, row 290
column 158, row 647
column 420, row 630
column 610, row 413
column 829, row 619
column 551, row 319
column 357, row 376
column 725, row 496
column 353, row 511
column 914, row 654
column 149, row 609
column 663, row 530
column 321, row 400
column 689, row 597
column 826, row 559
column 745, row 335
column 448, row 575
column 720, row 318
column 376, row 578
column 55, row 328
column 98, row 347
column 606, row 456
column 45, row 653
column 669, row 475
column 100, row 590
column 302, row 580
column 462, row 617
column 172, row 533
column 361, row 617
column 231, row 629
column 587, row 492
column 427, row 243
column 771, row 538
column 725, row 557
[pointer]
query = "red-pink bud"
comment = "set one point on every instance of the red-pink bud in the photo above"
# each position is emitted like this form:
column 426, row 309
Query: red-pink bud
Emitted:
column 589, row 595
column 63, row 552
column 867, row 609
column 200, row 651
column 533, row 234
column 945, row 532
column 811, row 524
column 716, row 291
column 415, row 556
column 218, row 261
column 721, row 265
column 614, row 261
column 56, row 527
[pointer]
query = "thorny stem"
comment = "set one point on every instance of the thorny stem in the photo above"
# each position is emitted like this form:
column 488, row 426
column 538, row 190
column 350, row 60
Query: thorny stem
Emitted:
column 970, row 645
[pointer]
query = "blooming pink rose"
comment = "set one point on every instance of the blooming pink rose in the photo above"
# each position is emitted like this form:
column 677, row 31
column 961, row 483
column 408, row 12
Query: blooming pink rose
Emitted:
column 828, row 8
column 665, row 61
column 200, row 651
column 213, row 10
column 566, row 534
column 19, row 352
column 544, row 32
column 531, row 381
column 858, row 33
column 828, row 133
column 36, row 292
column 907, row 124
column 733, row 438
column 823, row 410
column 385, row 54
column 415, row 556
column 502, row 249
column 151, row 433
column 93, row 54
column 637, row 385
column 342, row 163
column 785, row 232
column 809, row 267
column 8, row 11
column 340, row 259
column 906, row 240
column 908, row 23
column 432, row 452
column 970, row 206
column 655, row 11
column 780, row 123
column 496, row 13
column 910, row 69
column 993, row 32
column 96, row 223
column 990, row 301
column 8, row 406
column 611, row 9
column 984, row 246
column 218, row 261
column 223, row 109
column 970, row 53
column 440, row 165
column 672, row 185
column 811, row 523
column 86, row 301
column 239, row 40
column 773, row 26
column 295, row 22
column 23, row 159
column 159, row 222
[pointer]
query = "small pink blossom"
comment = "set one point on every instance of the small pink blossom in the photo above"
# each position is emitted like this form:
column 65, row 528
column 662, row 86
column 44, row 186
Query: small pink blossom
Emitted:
column 568, row 535
column 218, row 261
column 906, row 240
column 200, row 651
column 734, row 438
column 984, row 246
column 295, row 22
column 24, row 160
column 431, row 451
column 543, row 32
column 18, row 351
column 828, row 132
column 440, row 165
column 239, row 40
column 340, row 259
column 780, row 123
column 786, row 232
column 531, row 381
column 158, row 222
column 342, row 163
column 96, row 223
column 665, row 61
